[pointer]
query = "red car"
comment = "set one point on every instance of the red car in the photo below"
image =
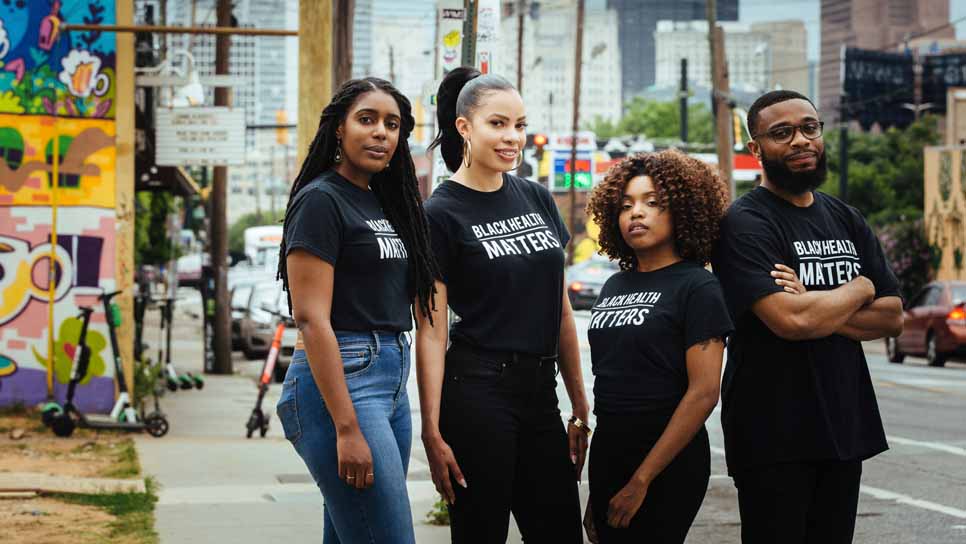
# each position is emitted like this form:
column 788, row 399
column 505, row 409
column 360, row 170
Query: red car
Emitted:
column 935, row 324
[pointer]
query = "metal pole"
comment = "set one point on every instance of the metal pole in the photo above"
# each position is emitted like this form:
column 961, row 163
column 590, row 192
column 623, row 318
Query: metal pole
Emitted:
column 219, row 197
column 683, row 100
column 844, row 150
column 521, row 5
column 578, row 58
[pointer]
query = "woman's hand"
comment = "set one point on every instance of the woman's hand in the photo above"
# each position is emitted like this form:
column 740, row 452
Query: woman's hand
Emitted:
column 355, row 459
column 577, row 437
column 589, row 526
column 443, row 467
column 788, row 279
column 625, row 504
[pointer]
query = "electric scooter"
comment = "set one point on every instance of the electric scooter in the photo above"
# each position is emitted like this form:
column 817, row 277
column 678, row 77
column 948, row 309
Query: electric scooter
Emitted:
column 258, row 419
column 123, row 416
column 173, row 380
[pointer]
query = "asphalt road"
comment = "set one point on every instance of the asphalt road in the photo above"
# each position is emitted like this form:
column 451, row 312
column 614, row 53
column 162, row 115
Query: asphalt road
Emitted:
column 915, row 492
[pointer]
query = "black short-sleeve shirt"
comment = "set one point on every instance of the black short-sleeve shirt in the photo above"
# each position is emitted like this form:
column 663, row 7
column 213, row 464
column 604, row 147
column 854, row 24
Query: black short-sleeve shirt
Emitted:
column 782, row 400
column 344, row 225
column 640, row 330
column 501, row 256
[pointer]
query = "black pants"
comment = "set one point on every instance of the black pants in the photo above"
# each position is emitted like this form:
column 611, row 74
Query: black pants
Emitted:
column 619, row 446
column 799, row 503
column 499, row 415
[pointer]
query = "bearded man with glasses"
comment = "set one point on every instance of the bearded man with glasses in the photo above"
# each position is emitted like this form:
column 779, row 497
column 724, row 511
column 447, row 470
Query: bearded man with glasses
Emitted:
column 806, row 281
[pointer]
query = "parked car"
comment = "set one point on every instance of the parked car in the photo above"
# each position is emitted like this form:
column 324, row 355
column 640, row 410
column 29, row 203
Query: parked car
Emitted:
column 257, row 325
column 240, row 293
column 585, row 279
column 935, row 324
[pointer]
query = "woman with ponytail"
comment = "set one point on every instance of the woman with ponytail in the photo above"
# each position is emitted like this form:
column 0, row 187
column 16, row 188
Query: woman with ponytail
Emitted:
column 493, row 434
column 355, row 256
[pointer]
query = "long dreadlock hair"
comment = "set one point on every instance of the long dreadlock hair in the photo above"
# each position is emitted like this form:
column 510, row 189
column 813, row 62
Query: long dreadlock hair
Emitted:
column 396, row 188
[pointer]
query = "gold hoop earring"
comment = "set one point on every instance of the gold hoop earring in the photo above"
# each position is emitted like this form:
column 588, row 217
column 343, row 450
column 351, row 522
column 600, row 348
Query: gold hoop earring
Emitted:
column 338, row 151
column 467, row 153
column 519, row 161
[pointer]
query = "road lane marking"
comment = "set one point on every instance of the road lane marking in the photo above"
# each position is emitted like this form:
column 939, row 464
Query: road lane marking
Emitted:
column 938, row 446
column 886, row 495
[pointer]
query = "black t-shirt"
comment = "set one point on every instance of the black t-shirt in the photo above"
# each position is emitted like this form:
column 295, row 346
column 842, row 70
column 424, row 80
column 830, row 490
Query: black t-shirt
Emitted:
column 640, row 330
column 501, row 256
column 788, row 401
column 345, row 226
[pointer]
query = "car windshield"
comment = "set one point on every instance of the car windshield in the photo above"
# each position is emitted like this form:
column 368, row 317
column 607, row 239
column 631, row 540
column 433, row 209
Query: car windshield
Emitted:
column 959, row 293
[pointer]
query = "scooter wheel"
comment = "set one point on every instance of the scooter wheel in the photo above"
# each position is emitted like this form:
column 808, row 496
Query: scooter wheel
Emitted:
column 264, row 428
column 254, row 422
column 50, row 412
column 199, row 383
column 62, row 425
column 156, row 424
column 172, row 385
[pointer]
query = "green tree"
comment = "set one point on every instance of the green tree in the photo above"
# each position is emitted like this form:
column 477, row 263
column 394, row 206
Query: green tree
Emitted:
column 151, row 243
column 885, row 170
column 658, row 121
column 236, row 233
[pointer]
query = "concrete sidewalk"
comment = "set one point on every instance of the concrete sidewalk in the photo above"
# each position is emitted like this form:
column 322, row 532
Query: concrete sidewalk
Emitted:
column 218, row 486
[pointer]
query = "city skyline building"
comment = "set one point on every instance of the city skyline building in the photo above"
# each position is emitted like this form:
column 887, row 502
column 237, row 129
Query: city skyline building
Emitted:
column 637, row 24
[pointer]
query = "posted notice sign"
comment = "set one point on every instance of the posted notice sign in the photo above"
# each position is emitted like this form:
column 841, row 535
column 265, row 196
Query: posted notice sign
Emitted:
column 200, row 136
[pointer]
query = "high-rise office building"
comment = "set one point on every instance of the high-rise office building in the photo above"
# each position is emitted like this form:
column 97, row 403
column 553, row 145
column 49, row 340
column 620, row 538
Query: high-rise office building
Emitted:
column 638, row 21
column 872, row 24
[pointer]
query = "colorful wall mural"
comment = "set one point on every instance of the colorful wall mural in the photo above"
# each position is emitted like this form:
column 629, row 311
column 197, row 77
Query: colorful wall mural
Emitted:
column 56, row 85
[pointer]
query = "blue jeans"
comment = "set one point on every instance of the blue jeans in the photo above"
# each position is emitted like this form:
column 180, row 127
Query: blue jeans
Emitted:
column 376, row 368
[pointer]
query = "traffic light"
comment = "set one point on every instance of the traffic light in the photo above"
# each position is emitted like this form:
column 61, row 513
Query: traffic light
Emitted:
column 539, row 140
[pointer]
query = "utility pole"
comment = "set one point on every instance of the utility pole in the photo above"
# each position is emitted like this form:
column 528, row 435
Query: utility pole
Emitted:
column 521, row 6
column 721, row 90
column 219, row 224
column 344, row 11
column 578, row 62
column 469, row 32
column 392, row 64
column 683, row 100
column 844, row 131
column 315, row 68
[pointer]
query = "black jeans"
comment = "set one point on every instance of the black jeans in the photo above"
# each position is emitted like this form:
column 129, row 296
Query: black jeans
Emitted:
column 619, row 446
column 799, row 503
column 499, row 415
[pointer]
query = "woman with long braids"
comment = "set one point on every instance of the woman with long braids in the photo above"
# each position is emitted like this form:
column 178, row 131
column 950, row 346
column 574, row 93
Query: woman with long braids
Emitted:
column 355, row 255
column 493, row 434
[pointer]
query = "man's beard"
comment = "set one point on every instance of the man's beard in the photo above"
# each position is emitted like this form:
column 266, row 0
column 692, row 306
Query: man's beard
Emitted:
column 796, row 183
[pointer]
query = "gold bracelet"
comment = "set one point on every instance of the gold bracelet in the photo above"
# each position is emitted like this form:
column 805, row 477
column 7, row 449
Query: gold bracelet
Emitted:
column 579, row 423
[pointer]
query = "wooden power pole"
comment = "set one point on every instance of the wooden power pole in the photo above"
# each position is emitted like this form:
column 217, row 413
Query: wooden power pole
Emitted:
column 578, row 62
column 219, row 222
column 315, row 68
column 521, row 16
column 721, row 90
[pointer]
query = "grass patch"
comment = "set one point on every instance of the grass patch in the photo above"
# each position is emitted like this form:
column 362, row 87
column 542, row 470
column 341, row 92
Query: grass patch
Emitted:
column 134, row 512
column 126, row 464
column 439, row 515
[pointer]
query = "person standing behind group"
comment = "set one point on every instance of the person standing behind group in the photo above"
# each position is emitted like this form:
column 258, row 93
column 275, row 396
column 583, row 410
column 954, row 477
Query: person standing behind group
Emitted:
column 355, row 255
column 657, row 334
column 491, row 425
column 799, row 412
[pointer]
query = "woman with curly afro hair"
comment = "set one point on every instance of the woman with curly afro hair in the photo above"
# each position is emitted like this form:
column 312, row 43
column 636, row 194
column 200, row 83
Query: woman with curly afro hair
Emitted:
column 656, row 336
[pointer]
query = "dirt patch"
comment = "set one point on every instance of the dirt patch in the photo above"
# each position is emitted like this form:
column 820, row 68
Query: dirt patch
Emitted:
column 85, row 454
column 123, row 518
column 51, row 521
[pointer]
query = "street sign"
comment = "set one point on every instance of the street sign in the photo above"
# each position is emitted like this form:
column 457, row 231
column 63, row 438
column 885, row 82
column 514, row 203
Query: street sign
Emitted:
column 200, row 136
column 562, row 170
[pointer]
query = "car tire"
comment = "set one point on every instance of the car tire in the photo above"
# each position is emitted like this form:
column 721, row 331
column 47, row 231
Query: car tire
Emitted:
column 249, row 353
column 933, row 356
column 892, row 350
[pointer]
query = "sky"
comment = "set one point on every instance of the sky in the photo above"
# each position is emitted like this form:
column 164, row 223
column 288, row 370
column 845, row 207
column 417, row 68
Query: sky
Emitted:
column 753, row 11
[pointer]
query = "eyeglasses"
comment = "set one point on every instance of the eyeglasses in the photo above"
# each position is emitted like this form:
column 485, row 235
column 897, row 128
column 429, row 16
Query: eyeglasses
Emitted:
column 785, row 134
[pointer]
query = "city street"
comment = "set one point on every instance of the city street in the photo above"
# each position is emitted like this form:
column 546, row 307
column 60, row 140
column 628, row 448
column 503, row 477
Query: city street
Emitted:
column 912, row 493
